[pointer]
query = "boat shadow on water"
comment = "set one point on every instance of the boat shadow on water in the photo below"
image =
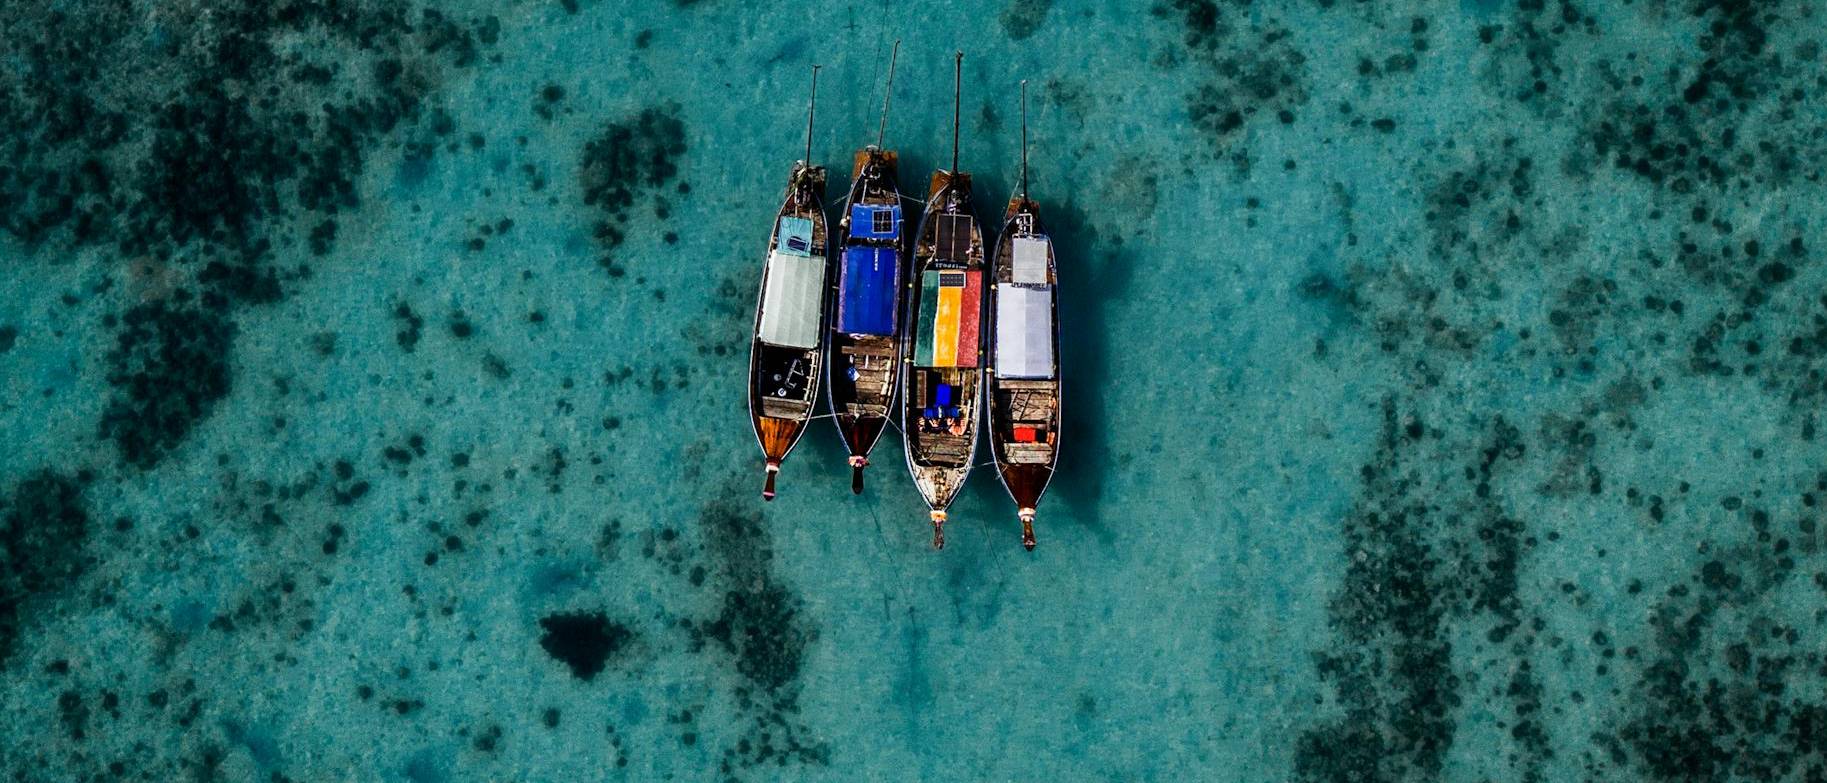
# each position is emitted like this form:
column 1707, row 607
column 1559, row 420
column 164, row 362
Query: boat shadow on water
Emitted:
column 1092, row 273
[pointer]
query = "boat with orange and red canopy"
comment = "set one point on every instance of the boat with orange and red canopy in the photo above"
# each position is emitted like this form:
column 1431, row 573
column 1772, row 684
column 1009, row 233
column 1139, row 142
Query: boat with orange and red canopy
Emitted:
column 788, row 342
column 942, row 376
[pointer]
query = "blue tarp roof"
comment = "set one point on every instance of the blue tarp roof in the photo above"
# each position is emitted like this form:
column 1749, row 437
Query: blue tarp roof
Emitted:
column 866, row 301
column 869, row 221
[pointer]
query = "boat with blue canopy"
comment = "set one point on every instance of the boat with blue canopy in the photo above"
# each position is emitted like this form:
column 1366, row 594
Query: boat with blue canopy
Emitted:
column 865, row 338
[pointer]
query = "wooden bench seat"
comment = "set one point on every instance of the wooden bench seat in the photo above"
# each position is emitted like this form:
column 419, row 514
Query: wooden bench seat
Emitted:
column 944, row 449
column 1027, row 453
column 784, row 409
column 1024, row 384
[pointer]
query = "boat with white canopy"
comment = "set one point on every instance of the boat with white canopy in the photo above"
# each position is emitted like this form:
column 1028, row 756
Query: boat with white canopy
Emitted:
column 1024, row 379
column 788, row 343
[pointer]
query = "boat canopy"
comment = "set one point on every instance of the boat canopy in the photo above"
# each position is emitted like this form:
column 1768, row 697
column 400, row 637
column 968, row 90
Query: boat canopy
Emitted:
column 866, row 301
column 953, row 240
column 950, row 308
column 795, row 236
column 1024, row 332
column 875, row 221
column 791, row 299
column 1030, row 260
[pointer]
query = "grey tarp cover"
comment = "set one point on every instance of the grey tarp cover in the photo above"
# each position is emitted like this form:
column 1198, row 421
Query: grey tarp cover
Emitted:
column 790, row 302
column 1030, row 261
column 1024, row 331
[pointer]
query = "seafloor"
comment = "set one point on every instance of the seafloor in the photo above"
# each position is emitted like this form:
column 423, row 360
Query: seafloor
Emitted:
column 1444, row 396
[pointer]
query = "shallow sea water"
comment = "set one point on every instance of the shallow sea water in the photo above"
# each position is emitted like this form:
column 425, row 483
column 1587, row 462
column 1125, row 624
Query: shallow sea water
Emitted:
column 1444, row 383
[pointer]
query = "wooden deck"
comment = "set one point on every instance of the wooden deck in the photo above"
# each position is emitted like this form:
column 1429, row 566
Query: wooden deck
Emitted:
column 875, row 374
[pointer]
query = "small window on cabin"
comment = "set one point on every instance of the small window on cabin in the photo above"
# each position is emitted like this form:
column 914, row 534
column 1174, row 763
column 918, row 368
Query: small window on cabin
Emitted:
column 882, row 221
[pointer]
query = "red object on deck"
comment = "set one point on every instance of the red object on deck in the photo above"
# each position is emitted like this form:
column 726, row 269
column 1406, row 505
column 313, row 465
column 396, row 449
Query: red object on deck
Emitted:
column 1026, row 434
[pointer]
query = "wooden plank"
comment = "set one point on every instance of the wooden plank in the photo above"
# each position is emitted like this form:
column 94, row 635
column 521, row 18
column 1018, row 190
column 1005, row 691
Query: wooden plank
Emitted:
column 867, row 351
column 1030, row 406
column 935, row 447
column 1027, row 453
column 786, row 409
column 1018, row 384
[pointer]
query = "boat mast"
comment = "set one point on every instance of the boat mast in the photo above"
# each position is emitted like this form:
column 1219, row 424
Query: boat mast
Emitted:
column 1024, row 141
column 881, row 131
column 957, row 96
column 811, row 111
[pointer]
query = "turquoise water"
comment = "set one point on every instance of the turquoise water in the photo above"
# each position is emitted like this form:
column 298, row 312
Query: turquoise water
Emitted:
column 1443, row 386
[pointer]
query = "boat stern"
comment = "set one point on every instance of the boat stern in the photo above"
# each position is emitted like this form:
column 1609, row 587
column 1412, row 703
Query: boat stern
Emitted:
column 857, row 463
column 767, row 490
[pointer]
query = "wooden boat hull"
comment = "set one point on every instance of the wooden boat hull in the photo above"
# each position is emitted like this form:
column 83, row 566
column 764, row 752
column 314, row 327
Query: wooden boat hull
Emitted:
column 861, row 365
column 942, row 372
column 784, row 356
column 1025, row 401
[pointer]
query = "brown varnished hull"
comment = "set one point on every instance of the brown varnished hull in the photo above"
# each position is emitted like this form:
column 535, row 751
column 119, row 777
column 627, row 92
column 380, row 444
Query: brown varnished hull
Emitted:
column 861, row 432
column 777, row 436
column 1026, row 483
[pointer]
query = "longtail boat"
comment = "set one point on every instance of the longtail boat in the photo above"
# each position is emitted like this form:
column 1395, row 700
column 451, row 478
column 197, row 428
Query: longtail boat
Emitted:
column 790, row 315
column 941, row 378
column 1024, row 381
column 865, row 344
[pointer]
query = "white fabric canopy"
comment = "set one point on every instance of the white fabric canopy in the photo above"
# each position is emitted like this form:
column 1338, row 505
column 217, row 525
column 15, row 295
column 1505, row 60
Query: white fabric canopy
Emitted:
column 1030, row 260
column 790, row 302
column 1024, row 332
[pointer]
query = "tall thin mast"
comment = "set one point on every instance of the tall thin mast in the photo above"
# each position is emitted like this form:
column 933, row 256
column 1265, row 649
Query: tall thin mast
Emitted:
column 881, row 131
column 1024, row 141
column 811, row 111
column 957, row 96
